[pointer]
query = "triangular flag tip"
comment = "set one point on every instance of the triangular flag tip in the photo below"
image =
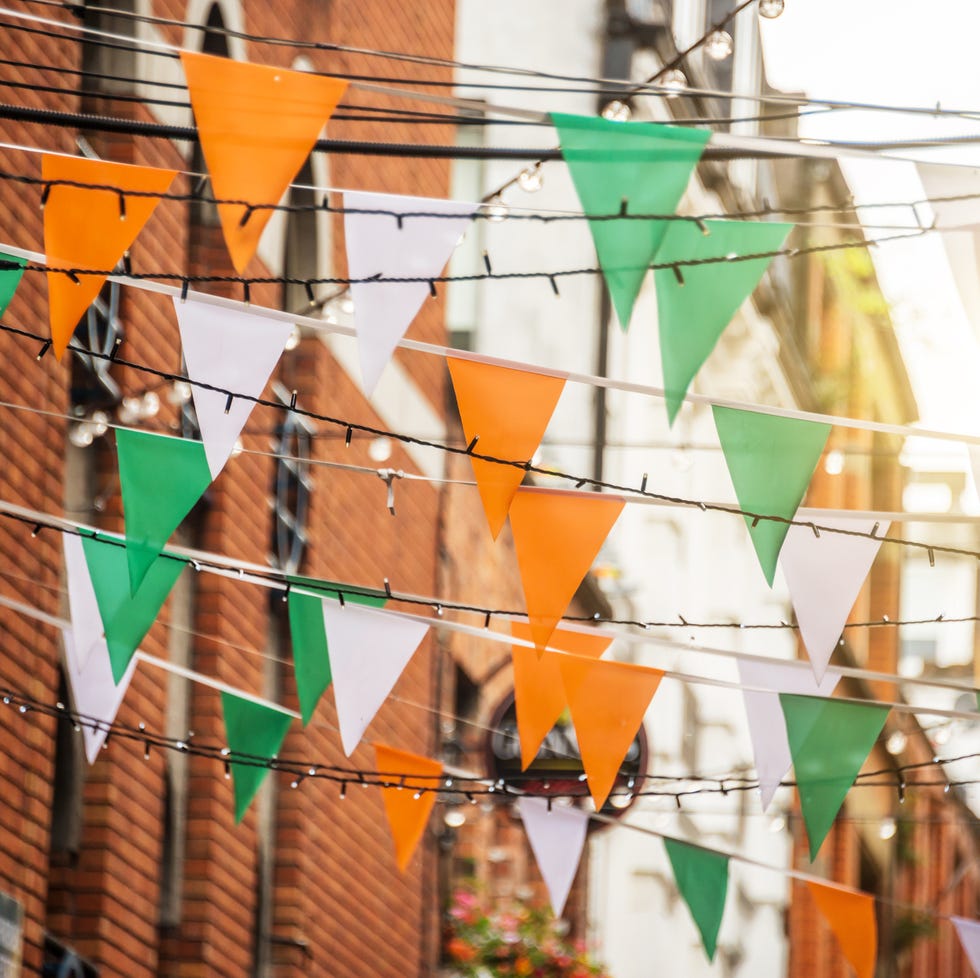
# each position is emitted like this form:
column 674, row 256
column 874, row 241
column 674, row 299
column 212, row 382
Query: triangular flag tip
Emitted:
column 702, row 878
column 232, row 351
column 767, row 727
column 825, row 575
column 829, row 741
column 126, row 617
column 161, row 479
column 252, row 730
column 557, row 837
column 640, row 166
column 607, row 701
column 369, row 649
column 557, row 535
column 771, row 460
column 539, row 695
column 311, row 659
column 694, row 308
column 86, row 228
column 381, row 243
column 257, row 125
column 505, row 411
column 407, row 815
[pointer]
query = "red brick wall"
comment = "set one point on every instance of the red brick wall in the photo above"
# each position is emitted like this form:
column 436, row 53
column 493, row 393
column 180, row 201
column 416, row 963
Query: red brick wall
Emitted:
column 336, row 888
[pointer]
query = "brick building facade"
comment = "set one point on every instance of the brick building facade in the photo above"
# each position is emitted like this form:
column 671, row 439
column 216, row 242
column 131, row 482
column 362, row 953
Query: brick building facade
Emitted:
column 136, row 864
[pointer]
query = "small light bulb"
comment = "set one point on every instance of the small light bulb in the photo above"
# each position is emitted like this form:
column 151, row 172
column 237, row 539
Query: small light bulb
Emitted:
column 718, row 46
column 346, row 304
column 887, row 829
column 497, row 211
column 80, row 435
column 292, row 341
column 674, row 81
column 150, row 405
column 531, row 179
column 180, row 393
column 617, row 111
column 454, row 818
column 896, row 743
column 100, row 423
column 771, row 9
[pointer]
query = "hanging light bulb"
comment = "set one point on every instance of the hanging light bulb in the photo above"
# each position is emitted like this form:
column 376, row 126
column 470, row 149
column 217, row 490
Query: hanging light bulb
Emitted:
column 497, row 211
column 771, row 8
column 617, row 111
column 80, row 435
column 100, row 423
column 292, row 341
column 887, row 829
column 128, row 411
column 531, row 179
column 718, row 46
column 150, row 405
column 180, row 393
column 674, row 81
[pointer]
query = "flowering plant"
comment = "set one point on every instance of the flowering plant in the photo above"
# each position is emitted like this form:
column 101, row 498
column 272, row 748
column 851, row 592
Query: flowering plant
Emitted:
column 518, row 940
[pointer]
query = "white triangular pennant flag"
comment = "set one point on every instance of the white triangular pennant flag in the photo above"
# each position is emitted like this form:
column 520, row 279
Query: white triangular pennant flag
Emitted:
column 234, row 351
column 557, row 838
column 94, row 693
column 825, row 575
column 968, row 932
column 958, row 221
column 86, row 621
column 767, row 725
column 390, row 247
column 368, row 650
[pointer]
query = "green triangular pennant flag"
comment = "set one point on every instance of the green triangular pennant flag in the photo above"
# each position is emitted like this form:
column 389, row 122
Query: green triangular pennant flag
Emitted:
column 126, row 617
column 829, row 741
column 311, row 662
column 770, row 460
column 702, row 878
column 251, row 729
column 694, row 314
column 9, row 278
column 645, row 165
column 162, row 478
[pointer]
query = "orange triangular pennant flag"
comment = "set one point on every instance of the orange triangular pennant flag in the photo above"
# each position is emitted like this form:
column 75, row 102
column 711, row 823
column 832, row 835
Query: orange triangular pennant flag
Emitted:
column 85, row 228
column 507, row 410
column 539, row 696
column 851, row 915
column 557, row 535
column 407, row 815
column 257, row 125
column 607, row 702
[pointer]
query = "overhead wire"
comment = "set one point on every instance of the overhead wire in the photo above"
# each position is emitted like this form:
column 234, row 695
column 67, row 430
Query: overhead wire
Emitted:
column 611, row 85
column 741, row 147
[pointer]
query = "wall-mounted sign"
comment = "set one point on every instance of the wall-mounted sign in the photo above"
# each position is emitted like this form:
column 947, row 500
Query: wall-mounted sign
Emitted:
column 557, row 767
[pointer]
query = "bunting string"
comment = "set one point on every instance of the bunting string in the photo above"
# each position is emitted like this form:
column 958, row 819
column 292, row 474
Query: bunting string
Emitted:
column 485, row 210
column 613, row 86
column 549, row 276
column 641, row 493
column 267, row 577
column 450, row 781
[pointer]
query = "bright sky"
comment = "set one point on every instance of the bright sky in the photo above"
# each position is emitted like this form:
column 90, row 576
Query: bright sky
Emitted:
column 897, row 52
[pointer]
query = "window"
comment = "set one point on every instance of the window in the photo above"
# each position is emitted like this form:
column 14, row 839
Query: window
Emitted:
column 96, row 336
column 291, row 488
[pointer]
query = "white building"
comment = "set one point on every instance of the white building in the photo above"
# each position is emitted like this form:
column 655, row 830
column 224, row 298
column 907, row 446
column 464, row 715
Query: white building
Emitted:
column 660, row 563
